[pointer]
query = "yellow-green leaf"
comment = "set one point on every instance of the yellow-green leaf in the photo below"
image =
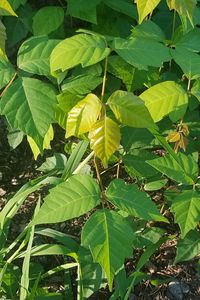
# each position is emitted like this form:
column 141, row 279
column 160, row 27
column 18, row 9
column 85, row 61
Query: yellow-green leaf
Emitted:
column 83, row 115
column 2, row 37
column 6, row 9
column 145, row 7
column 46, row 145
column 183, row 7
column 104, row 138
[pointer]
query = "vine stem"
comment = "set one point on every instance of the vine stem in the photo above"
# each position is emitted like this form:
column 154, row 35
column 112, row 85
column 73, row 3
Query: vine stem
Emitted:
column 98, row 174
column 104, row 78
column 173, row 24
column 9, row 84
column 189, row 84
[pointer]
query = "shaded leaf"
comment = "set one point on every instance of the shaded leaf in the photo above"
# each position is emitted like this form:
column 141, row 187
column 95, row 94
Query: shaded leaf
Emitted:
column 141, row 52
column 21, row 107
column 129, row 198
column 47, row 19
column 189, row 247
column 104, row 234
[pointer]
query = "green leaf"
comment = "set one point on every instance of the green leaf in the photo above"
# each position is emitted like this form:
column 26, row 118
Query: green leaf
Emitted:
column 183, row 7
column 83, row 115
column 83, row 9
column 141, row 52
column 34, row 55
column 16, row 3
column 2, row 37
column 70, row 199
column 81, row 49
column 129, row 198
column 187, row 210
column 104, row 234
column 155, row 185
column 122, row 70
column 60, row 237
column 190, row 40
column 7, row 71
column 148, row 30
column 130, row 110
column 47, row 19
column 188, row 61
column 21, row 107
column 189, row 247
column 133, row 138
column 165, row 98
column 46, row 144
column 145, row 7
column 104, row 138
column 122, row 6
column 81, row 85
column 56, row 162
column 136, row 166
column 6, row 9
column 47, row 249
column 183, row 170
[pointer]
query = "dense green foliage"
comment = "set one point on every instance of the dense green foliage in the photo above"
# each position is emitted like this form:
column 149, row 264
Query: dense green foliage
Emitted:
column 124, row 79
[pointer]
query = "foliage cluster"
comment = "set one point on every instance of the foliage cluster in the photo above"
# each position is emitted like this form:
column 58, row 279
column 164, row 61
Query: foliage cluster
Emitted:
column 123, row 78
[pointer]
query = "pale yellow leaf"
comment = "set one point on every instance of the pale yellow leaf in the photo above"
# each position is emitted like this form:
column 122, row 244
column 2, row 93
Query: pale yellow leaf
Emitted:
column 104, row 138
column 46, row 145
column 6, row 9
column 145, row 7
column 83, row 115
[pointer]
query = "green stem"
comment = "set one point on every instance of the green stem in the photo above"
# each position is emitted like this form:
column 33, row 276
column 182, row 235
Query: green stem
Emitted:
column 173, row 24
column 83, row 163
column 104, row 79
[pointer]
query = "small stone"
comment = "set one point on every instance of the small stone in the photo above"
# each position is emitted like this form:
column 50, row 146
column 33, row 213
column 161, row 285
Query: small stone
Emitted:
column 177, row 290
column 132, row 297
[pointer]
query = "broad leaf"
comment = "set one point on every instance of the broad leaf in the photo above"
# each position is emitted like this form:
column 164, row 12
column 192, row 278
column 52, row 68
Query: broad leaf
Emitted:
column 130, row 110
column 189, row 247
column 81, row 85
column 141, row 52
column 104, row 138
column 83, row 9
column 129, row 198
column 83, row 115
column 190, row 40
column 2, row 36
column 104, row 234
column 23, row 111
column 148, row 30
column 70, row 199
column 81, row 49
column 46, row 144
column 6, row 9
column 183, row 7
column 145, row 7
column 183, row 170
column 47, row 19
column 188, row 61
column 166, row 98
column 122, row 6
column 6, row 71
column 121, row 69
column 16, row 3
column 187, row 210
column 136, row 165
column 34, row 55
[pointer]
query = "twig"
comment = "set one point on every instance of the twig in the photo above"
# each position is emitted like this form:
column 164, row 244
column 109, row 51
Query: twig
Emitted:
column 9, row 84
